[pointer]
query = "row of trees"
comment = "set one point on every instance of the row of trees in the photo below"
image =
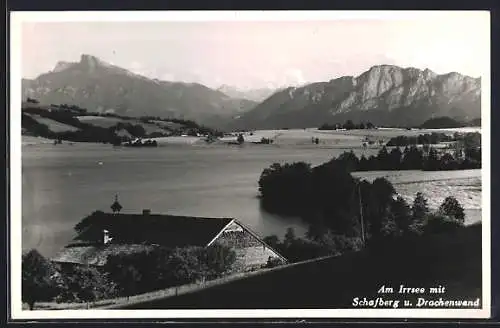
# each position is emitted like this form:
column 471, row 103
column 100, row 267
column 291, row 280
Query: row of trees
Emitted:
column 162, row 268
column 85, row 132
column 326, row 195
column 348, row 125
column 412, row 158
column 396, row 220
column 191, row 126
column 422, row 139
column 122, row 275
column 442, row 122
column 135, row 130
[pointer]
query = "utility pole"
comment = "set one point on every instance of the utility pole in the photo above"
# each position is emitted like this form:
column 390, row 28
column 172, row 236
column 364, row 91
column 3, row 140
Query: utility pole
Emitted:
column 361, row 215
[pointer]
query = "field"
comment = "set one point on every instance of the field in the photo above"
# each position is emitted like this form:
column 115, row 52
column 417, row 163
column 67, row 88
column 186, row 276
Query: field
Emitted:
column 107, row 122
column 31, row 141
column 167, row 125
column 54, row 126
column 451, row 260
column 101, row 121
column 336, row 138
column 178, row 140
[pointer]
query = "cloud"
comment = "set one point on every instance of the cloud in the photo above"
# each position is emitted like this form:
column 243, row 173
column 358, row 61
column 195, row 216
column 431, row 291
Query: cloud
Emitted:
column 138, row 68
column 293, row 76
column 167, row 77
column 136, row 65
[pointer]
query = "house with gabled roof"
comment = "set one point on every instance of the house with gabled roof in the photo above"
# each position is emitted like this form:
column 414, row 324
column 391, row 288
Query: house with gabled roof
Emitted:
column 103, row 234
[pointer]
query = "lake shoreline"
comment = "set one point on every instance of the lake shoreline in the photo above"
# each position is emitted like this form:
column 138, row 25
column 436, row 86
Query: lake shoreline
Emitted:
column 62, row 184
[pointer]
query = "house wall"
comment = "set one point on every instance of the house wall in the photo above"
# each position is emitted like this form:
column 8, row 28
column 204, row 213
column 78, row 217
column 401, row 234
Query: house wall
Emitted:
column 251, row 253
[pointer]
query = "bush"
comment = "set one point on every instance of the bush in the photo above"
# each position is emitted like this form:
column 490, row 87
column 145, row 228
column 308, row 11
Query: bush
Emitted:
column 240, row 139
column 216, row 260
column 86, row 284
column 453, row 209
column 437, row 223
column 321, row 243
column 163, row 268
column 273, row 262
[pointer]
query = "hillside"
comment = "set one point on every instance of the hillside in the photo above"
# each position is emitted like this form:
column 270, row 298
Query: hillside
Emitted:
column 73, row 123
column 384, row 95
column 452, row 260
column 447, row 122
column 98, row 86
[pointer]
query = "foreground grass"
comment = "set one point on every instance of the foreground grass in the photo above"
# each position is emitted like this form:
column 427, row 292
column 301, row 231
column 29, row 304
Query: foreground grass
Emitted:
column 452, row 260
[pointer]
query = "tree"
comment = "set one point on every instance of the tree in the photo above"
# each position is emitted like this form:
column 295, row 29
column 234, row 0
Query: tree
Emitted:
column 216, row 260
column 349, row 125
column 181, row 267
column 349, row 161
column 125, row 271
column 86, row 284
column 419, row 211
column 438, row 223
column 395, row 159
column 412, row 158
column 39, row 278
column 363, row 163
column 285, row 188
column 272, row 240
column 383, row 159
column 379, row 201
column 401, row 213
column 453, row 209
column 448, row 162
column 136, row 130
column 289, row 237
column 432, row 162
column 32, row 100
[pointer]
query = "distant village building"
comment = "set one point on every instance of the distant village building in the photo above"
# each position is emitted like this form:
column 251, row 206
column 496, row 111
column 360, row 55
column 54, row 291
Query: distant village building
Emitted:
column 107, row 234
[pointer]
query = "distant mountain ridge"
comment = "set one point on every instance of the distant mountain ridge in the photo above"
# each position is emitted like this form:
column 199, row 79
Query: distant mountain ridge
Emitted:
column 99, row 86
column 257, row 95
column 383, row 95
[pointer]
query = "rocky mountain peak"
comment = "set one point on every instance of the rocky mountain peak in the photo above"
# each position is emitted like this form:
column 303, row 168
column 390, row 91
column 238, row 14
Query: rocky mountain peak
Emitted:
column 384, row 94
column 89, row 59
column 99, row 86
column 62, row 65
column 92, row 63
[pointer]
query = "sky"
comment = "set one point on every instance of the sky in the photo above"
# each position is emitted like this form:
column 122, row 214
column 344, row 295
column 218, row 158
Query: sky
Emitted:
column 254, row 53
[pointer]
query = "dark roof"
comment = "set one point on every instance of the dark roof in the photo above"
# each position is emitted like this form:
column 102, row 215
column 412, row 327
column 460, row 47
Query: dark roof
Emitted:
column 164, row 230
column 95, row 254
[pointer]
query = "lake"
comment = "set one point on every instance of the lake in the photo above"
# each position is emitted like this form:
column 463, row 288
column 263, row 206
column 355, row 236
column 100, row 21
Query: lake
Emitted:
column 64, row 183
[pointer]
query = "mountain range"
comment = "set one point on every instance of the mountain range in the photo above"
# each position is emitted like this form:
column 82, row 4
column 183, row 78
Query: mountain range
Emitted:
column 384, row 95
column 99, row 86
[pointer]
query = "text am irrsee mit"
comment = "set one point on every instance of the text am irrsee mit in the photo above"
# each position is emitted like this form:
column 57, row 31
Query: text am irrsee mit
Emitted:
column 411, row 290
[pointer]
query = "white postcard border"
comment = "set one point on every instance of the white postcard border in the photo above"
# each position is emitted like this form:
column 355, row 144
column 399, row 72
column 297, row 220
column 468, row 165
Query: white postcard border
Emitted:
column 16, row 20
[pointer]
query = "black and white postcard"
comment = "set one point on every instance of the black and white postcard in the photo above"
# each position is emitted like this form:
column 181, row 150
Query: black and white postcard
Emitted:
column 254, row 164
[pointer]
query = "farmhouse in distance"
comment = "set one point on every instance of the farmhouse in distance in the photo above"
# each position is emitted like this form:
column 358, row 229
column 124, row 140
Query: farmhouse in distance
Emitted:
column 104, row 234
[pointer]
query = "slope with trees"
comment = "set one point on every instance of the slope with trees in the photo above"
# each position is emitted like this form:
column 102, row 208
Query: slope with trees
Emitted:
column 85, row 131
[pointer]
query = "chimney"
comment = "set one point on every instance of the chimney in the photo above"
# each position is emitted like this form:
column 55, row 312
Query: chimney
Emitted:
column 106, row 238
column 146, row 211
